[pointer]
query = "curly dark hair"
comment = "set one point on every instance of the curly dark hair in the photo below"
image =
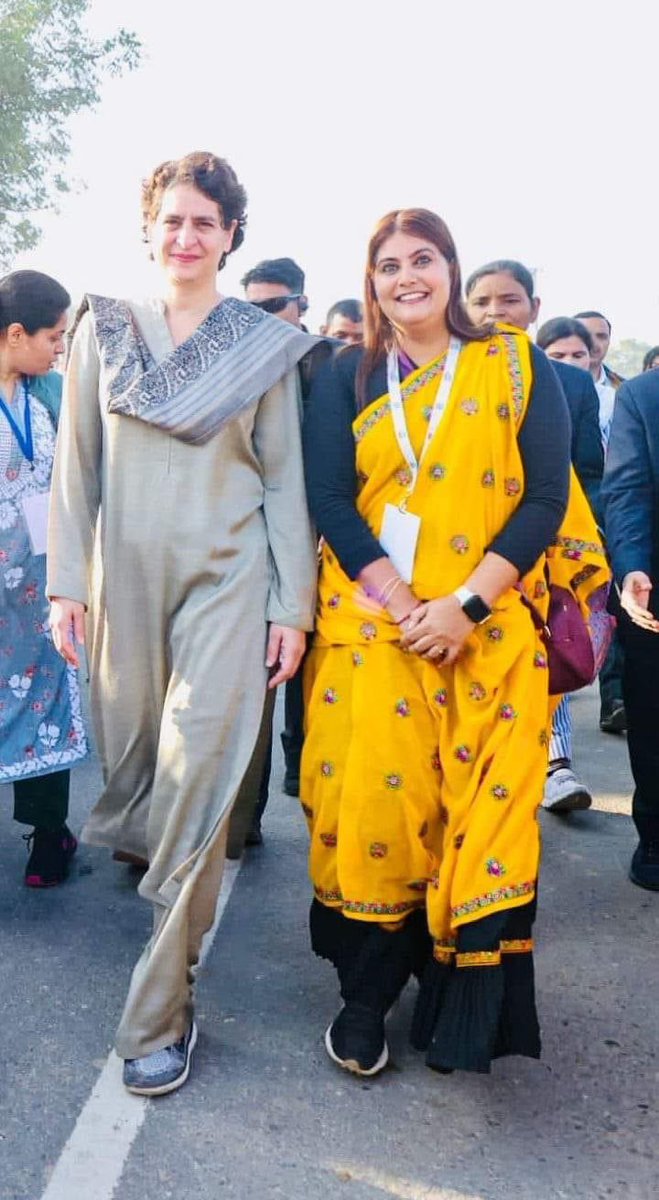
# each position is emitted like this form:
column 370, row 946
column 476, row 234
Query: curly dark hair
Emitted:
column 209, row 174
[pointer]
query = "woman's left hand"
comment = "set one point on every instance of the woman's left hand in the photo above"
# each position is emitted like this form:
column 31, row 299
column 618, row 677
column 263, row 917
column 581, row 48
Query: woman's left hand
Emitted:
column 437, row 630
column 286, row 647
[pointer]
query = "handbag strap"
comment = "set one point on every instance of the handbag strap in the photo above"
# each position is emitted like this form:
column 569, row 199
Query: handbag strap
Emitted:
column 540, row 625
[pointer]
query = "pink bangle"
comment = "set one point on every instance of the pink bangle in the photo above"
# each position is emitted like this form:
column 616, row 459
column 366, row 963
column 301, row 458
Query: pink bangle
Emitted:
column 408, row 615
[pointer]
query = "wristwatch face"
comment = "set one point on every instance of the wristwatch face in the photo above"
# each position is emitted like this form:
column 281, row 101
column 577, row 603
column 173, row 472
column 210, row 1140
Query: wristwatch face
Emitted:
column 476, row 609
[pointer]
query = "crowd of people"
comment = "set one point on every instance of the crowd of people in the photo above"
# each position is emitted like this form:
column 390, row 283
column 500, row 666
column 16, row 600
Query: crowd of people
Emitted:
column 377, row 517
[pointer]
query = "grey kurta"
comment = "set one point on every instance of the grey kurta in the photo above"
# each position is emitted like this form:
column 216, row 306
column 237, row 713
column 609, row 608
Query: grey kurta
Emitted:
column 183, row 553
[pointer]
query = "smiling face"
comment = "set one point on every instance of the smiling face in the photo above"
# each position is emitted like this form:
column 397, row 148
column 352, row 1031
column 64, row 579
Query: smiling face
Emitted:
column 570, row 350
column 187, row 236
column 499, row 297
column 412, row 282
column 33, row 353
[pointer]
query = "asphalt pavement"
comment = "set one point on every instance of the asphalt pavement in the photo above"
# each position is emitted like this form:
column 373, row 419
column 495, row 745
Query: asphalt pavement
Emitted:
column 265, row 1114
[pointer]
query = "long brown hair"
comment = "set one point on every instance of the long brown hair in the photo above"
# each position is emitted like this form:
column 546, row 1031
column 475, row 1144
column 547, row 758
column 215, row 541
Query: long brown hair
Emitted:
column 378, row 331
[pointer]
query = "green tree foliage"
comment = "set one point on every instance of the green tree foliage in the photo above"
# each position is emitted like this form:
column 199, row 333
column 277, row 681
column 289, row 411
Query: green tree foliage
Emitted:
column 626, row 356
column 50, row 69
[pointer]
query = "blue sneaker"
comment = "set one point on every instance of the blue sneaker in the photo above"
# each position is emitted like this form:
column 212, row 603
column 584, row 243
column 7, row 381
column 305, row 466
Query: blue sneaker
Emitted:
column 163, row 1071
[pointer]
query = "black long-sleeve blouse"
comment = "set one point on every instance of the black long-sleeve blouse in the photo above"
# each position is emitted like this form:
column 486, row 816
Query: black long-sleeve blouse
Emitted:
column 329, row 449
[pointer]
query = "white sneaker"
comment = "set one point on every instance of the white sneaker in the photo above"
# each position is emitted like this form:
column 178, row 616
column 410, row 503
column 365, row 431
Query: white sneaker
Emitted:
column 564, row 793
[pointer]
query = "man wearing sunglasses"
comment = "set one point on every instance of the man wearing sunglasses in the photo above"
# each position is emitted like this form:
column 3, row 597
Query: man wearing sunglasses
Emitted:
column 277, row 286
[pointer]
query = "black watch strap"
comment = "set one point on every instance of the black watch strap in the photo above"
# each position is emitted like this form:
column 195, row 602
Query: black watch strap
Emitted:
column 473, row 606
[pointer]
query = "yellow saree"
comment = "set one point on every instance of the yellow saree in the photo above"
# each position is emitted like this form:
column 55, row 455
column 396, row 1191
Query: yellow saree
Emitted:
column 420, row 784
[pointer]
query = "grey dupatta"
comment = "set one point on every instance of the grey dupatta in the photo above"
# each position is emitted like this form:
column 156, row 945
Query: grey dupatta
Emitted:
column 228, row 363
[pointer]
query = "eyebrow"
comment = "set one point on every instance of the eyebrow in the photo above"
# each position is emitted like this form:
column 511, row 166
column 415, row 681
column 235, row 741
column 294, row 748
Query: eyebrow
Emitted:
column 174, row 216
column 421, row 250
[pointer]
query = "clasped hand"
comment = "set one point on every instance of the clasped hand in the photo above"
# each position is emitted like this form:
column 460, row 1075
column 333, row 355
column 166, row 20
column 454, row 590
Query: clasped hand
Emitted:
column 437, row 630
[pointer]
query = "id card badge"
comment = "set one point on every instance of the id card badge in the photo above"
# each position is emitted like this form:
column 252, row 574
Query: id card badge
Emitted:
column 398, row 538
column 35, row 511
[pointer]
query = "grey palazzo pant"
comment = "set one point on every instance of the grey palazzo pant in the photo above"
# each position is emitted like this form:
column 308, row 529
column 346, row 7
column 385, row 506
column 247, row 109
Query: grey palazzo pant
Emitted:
column 176, row 740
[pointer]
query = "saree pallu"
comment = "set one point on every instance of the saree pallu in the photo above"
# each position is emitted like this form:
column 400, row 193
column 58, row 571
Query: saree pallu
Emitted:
column 420, row 784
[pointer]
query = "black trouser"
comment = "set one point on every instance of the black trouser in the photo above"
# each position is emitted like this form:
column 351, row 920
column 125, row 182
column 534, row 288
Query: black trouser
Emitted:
column 253, row 792
column 292, row 738
column 641, row 696
column 43, row 801
column 611, row 673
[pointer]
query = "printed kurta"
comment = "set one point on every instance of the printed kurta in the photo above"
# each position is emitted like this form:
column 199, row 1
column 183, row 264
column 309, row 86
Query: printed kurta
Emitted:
column 41, row 725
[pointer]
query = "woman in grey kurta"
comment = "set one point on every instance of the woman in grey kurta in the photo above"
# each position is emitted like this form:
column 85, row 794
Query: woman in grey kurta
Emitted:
column 41, row 727
column 179, row 517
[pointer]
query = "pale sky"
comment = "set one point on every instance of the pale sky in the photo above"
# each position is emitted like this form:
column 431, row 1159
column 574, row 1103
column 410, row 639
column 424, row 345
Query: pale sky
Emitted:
column 531, row 127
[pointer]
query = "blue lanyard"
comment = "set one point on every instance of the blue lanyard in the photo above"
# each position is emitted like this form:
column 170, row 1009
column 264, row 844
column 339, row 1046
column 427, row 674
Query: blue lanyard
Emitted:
column 24, row 439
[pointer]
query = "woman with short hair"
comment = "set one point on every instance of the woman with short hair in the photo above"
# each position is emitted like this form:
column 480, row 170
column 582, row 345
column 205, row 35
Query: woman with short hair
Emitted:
column 179, row 517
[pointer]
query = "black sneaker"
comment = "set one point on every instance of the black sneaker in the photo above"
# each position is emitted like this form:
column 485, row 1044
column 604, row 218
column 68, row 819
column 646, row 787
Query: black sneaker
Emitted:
column 50, row 855
column 355, row 1040
column 644, row 868
column 291, row 784
column 613, row 718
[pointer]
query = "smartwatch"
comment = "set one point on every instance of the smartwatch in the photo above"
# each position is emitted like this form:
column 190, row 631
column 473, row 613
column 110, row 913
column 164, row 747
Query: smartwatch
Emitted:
column 473, row 606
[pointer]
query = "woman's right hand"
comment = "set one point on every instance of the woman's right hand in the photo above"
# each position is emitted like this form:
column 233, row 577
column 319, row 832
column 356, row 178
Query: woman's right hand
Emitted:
column 67, row 625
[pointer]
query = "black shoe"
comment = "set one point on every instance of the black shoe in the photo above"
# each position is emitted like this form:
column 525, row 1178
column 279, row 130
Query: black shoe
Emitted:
column 644, row 868
column 355, row 1040
column 50, row 855
column 254, row 837
column 613, row 718
column 291, row 784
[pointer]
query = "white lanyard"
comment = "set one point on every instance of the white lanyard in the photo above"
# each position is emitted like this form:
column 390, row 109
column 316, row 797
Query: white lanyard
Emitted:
column 438, row 409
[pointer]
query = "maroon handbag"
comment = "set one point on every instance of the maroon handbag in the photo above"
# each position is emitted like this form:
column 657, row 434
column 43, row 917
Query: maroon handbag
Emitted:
column 576, row 648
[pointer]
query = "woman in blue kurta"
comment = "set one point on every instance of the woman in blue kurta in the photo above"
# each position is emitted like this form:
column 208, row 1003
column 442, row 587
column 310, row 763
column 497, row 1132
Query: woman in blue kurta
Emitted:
column 41, row 727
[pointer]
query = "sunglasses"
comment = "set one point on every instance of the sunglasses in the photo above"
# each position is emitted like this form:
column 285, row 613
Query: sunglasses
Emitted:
column 277, row 304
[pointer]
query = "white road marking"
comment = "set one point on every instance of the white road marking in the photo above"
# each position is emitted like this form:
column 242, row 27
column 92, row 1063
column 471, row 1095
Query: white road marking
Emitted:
column 94, row 1157
column 404, row 1189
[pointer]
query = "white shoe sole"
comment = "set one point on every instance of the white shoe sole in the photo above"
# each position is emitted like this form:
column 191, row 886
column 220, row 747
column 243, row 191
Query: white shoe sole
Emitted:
column 165, row 1088
column 351, row 1064
column 574, row 802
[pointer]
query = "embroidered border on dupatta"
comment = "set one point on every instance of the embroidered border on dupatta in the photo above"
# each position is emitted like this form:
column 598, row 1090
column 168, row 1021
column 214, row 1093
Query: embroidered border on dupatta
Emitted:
column 508, row 892
column 407, row 390
column 515, row 373
column 235, row 355
column 376, row 908
column 574, row 547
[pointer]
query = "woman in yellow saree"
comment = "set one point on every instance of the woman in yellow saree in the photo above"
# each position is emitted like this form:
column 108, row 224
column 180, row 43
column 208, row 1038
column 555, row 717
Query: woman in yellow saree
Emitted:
column 437, row 472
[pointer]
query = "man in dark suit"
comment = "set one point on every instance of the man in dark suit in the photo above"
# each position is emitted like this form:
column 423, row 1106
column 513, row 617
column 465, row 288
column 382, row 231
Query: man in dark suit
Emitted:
column 630, row 497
